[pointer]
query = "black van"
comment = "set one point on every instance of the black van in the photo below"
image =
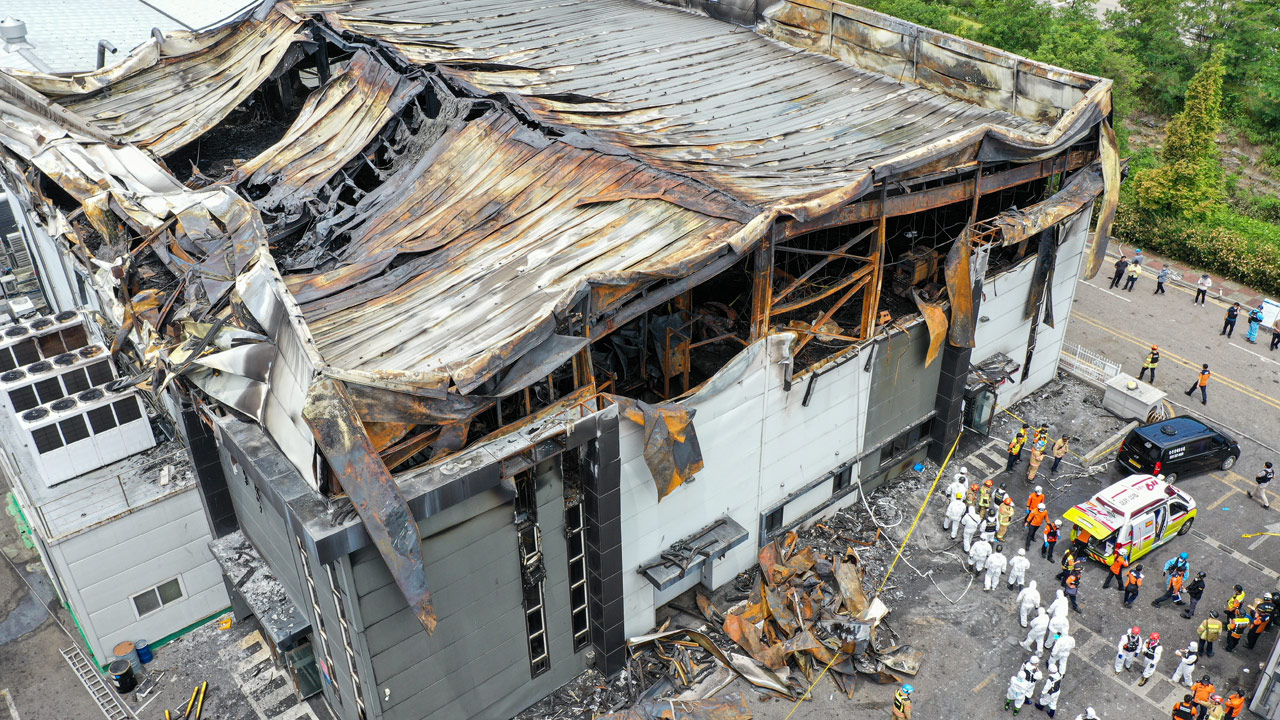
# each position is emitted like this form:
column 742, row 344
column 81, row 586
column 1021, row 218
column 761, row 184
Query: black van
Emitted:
column 1176, row 447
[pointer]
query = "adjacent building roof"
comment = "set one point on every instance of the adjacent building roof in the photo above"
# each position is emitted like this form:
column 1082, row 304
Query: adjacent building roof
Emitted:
column 66, row 32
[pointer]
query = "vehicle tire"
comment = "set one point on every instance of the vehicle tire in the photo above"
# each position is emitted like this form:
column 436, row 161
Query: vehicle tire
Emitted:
column 1171, row 478
column 1229, row 462
column 1186, row 526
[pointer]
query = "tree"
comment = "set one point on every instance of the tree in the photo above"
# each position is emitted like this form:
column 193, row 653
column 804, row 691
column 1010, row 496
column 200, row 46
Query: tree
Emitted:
column 1012, row 25
column 1149, row 29
column 1190, row 182
column 920, row 12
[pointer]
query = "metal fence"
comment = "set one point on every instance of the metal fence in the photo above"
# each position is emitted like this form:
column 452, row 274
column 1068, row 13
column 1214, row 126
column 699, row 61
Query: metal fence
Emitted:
column 1087, row 364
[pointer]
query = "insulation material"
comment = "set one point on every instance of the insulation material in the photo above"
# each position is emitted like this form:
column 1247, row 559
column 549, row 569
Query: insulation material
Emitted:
column 958, row 272
column 670, row 442
column 936, row 319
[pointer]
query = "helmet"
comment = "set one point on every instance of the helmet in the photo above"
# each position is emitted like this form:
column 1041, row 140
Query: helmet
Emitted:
column 1182, row 556
column 987, row 483
column 974, row 486
column 1155, row 637
column 999, row 547
column 1213, row 613
column 1008, row 500
column 1192, row 645
column 1205, row 679
column 908, row 689
column 1039, row 489
column 964, row 470
column 1154, row 347
column 1035, row 660
column 1040, row 506
column 1135, row 630
column 1022, row 551
column 1239, row 589
column 1200, row 576
column 1137, row 568
column 1058, row 523
column 1090, row 713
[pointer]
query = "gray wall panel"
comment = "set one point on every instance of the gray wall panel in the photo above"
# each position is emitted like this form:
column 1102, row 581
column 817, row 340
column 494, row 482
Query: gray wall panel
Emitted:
column 264, row 526
column 902, row 388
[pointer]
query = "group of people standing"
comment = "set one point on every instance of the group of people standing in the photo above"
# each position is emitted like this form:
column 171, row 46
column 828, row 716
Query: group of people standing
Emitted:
column 1039, row 441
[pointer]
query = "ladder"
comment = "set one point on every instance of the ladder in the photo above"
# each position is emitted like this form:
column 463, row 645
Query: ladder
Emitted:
column 106, row 698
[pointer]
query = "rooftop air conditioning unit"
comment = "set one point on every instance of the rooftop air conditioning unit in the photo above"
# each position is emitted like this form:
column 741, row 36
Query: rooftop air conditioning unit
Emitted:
column 73, row 436
column 44, row 381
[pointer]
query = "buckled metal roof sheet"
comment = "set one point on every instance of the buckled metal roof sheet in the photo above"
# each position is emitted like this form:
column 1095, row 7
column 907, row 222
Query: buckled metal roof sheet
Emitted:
column 757, row 118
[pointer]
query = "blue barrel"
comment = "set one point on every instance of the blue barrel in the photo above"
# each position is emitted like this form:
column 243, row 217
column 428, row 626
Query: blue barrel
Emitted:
column 144, row 651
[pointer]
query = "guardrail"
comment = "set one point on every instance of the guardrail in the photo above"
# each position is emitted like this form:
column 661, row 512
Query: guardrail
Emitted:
column 1087, row 364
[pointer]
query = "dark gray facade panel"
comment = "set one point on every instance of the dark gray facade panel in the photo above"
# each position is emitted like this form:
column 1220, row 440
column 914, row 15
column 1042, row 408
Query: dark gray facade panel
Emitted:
column 902, row 389
column 267, row 530
column 345, row 706
column 474, row 572
column 447, row 579
column 371, row 570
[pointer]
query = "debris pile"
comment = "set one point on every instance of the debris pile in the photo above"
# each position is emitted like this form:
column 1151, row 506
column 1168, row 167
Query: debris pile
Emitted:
column 800, row 614
column 807, row 614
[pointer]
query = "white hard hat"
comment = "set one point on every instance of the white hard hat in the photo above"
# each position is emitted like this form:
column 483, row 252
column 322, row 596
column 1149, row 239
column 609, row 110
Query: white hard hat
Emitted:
column 1192, row 645
column 1039, row 489
column 964, row 470
column 1035, row 660
column 1058, row 523
column 1040, row 506
column 1022, row 551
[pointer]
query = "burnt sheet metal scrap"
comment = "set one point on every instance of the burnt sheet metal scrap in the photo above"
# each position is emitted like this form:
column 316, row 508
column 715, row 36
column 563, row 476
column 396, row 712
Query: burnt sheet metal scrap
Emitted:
column 164, row 95
column 671, row 449
column 808, row 610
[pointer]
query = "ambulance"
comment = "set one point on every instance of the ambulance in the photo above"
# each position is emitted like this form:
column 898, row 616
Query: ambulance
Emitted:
column 1134, row 517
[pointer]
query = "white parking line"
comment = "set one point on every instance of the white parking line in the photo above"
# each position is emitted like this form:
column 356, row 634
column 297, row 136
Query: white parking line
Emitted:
column 8, row 701
column 1260, row 357
column 1118, row 297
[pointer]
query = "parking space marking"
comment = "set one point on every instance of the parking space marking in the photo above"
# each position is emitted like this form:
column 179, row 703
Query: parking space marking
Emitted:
column 8, row 701
column 1230, row 491
column 1237, row 555
column 1109, row 671
column 986, row 681
column 1260, row 357
column 1095, row 287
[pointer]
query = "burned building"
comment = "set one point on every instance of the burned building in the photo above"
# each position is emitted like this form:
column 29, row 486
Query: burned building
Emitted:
column 491, row 329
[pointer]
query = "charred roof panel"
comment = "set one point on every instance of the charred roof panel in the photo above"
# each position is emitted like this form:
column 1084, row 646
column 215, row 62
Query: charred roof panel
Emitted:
column 763, row 121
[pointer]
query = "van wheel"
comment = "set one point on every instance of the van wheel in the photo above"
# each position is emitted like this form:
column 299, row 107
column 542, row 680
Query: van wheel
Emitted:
column 1186, row 526
column 1229, row 462
column 1171, row 478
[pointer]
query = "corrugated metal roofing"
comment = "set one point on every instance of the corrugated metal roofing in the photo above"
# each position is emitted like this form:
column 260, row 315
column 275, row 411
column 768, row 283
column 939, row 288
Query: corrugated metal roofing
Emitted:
column 167, row 94
column 766, row 122
column 503, row 229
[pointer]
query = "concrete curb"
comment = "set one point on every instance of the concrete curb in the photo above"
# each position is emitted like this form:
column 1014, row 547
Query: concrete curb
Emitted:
column 1106, row 446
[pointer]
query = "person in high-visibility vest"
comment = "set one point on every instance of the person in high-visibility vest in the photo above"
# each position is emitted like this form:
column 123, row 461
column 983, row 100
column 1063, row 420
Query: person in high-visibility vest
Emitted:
column 1237, row 626
column 902, row 703
column 1202, row 382
column 1118, row 563
column 1033, row 522
column 1035, row 498
column 1132, row 584
column 1015, row 446
column 1235, row 601
column 1153, row 359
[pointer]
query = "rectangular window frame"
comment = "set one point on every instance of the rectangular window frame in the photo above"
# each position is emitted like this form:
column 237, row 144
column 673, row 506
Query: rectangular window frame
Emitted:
column 155, row 590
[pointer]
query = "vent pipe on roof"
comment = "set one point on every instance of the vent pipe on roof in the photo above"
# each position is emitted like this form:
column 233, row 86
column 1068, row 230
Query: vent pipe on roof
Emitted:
column 103, row 47
column 14, row 34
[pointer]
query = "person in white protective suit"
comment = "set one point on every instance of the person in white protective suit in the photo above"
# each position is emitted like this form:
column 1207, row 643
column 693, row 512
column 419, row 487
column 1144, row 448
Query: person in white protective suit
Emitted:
column 1187, row 667
column 1127, row 649
column 969, row 523
column 1062, row 648
column 959, row 484
column 1059, row 626
column 1028, row 600
column 1022, row 686
column 1049, row 692
column 1018, row 566
column 1151, row 652
column 955, row 511
column 1059, row 604
column 978, row 554
column 996, row 563
column 1035, row 636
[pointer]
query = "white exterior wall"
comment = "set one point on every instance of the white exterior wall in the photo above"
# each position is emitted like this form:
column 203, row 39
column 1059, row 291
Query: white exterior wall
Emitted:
column 759, row 445
column 102, row 568
column 1004, row 298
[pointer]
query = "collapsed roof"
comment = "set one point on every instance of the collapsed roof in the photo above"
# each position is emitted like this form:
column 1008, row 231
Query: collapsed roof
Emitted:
column 479, row 189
